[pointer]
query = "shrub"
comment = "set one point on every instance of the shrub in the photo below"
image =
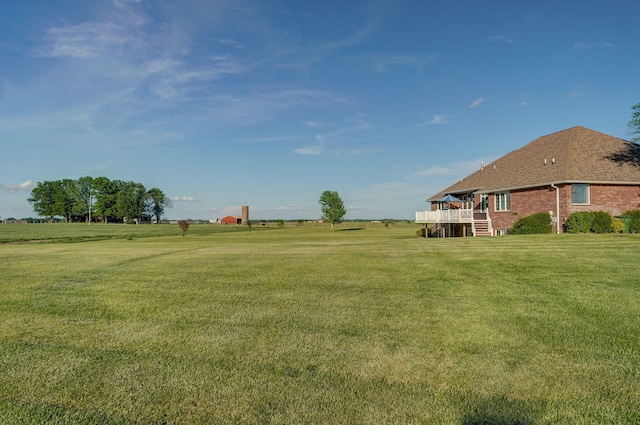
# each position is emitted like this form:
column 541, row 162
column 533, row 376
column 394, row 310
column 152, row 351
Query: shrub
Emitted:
column 634, row 220
column 602, row 222
column 538, row 223
column 579, row 222
column 617, row 225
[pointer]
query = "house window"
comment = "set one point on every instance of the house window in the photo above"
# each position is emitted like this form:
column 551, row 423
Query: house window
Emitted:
column 580, row 194
column 467, row 201
column 503, row 201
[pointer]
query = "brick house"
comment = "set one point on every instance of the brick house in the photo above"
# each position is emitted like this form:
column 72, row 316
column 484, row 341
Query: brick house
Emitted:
column 577, row 169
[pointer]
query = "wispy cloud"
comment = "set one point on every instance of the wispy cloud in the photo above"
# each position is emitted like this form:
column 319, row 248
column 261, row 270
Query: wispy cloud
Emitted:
column 435, row 120
column 122, row 3
column 274, row 139
column 476, row 102
column 382, row 62
column 85, row 40
column 230, row 43
column 502, row 39
column 303, row 56
column 339, row 142
column 22, row 187
column 310, row 150
column 583, row 45
column 184, row 199
column 456, row 169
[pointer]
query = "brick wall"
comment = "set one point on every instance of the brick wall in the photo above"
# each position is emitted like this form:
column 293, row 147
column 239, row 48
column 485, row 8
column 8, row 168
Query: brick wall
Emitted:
column 523, row 203
column 614, row 199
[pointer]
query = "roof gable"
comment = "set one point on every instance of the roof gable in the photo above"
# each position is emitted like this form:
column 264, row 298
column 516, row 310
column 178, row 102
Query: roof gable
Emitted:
column 577, row 154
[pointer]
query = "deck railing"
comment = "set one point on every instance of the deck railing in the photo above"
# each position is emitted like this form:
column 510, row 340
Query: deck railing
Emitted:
column 445, row 216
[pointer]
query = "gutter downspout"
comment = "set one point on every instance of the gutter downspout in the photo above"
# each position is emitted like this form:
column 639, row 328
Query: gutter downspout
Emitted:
column 557, row 207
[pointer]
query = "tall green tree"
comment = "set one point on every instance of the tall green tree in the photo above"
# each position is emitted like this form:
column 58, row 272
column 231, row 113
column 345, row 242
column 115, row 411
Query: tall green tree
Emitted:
column 45, row 199
column 333, row 210
column 68, row 199
column 634, row 124
column 130, row 201
column 85, row 191
column 87, row 197
column 106, row 192
column 157, row 203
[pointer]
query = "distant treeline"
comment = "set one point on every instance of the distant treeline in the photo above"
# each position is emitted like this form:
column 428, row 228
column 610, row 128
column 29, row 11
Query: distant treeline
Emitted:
column 97, row 199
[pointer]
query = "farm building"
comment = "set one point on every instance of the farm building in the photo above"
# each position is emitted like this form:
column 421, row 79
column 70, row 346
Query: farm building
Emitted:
column 577, row 169
column 231, row 219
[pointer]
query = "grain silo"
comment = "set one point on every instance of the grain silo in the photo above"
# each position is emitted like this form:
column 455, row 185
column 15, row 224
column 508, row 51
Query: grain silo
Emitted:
column 245, row 214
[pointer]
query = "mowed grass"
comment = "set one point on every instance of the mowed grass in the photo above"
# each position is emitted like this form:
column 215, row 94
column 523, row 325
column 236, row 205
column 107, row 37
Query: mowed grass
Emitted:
column 311, row 326
column 78, row 232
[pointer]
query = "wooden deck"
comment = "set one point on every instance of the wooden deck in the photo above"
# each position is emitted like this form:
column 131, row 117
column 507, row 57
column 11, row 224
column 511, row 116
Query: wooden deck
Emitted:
column 445, row 216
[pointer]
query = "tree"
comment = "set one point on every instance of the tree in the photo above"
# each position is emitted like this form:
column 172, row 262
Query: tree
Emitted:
column 84, row 197
column 634, row 124
column 333, row 209
column 130, row 200
column 184, row 226
column 45, row 199
column 68, row 199
column 157, row 202
column 106, row 192
column 88, row 197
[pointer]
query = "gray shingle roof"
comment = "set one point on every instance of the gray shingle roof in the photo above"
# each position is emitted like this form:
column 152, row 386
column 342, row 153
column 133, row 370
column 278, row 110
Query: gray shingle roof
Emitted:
column 577, row 154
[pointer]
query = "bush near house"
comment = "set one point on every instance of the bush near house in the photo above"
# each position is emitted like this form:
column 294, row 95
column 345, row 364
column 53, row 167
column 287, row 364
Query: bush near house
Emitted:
column 602, row 222
column 593, row 222
column 538, row 223
column 579, row 222
column 618, row 226
column 634, row 220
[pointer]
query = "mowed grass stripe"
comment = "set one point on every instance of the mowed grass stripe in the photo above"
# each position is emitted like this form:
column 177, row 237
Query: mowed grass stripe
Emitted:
column 313, row 326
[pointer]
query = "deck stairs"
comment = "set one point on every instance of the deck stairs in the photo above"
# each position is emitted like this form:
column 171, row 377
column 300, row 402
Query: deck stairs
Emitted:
column 481, row 228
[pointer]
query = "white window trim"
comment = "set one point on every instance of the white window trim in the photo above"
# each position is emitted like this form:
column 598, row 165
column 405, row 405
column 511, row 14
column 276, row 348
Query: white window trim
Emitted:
column 498, row 195
column 588, row 194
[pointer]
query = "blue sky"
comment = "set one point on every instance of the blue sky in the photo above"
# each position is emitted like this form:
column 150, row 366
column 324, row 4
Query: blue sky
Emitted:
column 268, row 103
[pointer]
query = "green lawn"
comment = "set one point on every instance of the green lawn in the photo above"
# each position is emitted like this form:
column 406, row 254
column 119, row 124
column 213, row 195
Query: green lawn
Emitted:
column 310, row 326
column 78, row 232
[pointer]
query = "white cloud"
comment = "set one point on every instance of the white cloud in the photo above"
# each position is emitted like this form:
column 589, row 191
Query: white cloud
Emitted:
column 22, row 187
column 85, row 40
column 381, row 62
column 343, row 151
column 229, row 43
column 476, row 102
column 436, row 119
column 309, row 150
column 184, row 199
column 589, row 45
column 456, row 169
column 122, row 3
column 273, row 139
column 502, row 39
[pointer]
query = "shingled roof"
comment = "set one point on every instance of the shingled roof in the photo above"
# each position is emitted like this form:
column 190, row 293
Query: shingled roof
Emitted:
column 575, row 155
